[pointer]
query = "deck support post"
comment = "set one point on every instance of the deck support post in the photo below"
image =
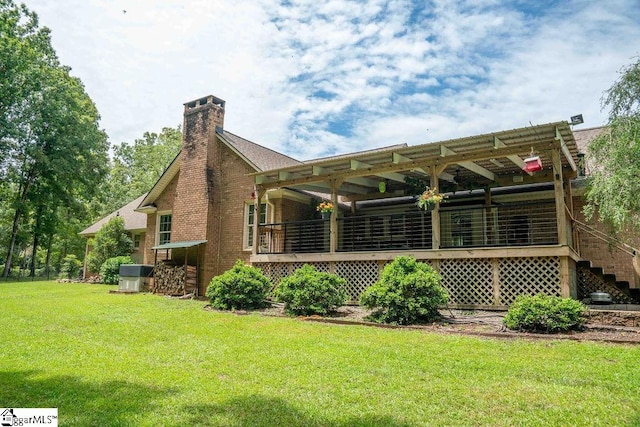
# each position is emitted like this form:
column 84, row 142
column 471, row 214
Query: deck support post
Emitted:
column 259, row 193
column 333, row 222
column 435, row 213
column 565, row 279
column 558, row 186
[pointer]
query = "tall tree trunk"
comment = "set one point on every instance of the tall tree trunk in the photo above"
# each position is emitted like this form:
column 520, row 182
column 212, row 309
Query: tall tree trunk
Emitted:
column 48, row 262
column 36, row 240
column 34, row 252
column 22, row 196
column 12, row 244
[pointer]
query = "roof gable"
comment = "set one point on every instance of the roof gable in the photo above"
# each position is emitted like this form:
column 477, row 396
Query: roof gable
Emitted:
column 258, row 157
column 132, row 220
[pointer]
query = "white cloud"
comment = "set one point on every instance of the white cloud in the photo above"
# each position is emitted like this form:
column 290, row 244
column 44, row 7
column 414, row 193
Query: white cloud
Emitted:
column 456, row 69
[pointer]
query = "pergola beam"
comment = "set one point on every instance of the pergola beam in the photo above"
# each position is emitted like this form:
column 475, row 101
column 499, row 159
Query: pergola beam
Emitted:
column 322, row 187
column 469, row 165
column 268, row 180
column 515, row 159
column 565, row 150
column 393, row 176
column 318, row 171
column 399, row 158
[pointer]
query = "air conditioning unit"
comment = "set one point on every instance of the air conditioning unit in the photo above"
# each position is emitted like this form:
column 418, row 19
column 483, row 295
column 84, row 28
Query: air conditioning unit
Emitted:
column 134, row 277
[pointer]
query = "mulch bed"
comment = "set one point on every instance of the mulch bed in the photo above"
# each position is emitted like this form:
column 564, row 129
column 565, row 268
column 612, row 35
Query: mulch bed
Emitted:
column 472, row 323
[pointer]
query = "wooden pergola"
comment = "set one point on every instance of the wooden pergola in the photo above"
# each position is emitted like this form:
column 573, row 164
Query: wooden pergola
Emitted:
column 496, row 159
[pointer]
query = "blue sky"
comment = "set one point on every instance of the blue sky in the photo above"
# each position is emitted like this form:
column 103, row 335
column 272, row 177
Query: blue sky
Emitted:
column 316, row 78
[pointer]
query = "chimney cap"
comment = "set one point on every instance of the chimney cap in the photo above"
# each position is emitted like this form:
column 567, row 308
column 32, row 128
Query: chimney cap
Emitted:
column 210, row 99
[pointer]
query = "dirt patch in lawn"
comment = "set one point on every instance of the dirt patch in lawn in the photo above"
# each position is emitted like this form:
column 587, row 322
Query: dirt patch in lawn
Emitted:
column 469, row 322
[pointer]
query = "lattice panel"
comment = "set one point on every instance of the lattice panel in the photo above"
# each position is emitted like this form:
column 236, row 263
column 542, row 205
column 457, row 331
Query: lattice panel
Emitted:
column 359, row 276
column 528, row 276
column 468, row 281
column 320, row 266
column 589, row 282
column 274, row 270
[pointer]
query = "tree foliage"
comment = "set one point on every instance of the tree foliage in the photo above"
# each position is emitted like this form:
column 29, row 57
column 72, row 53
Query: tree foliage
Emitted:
column 54, row 153
column 615, row 182
column 111, row 241
column 136, row 167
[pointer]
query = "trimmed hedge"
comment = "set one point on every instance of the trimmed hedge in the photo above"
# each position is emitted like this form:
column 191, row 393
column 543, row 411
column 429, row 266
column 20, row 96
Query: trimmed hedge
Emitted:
column 309, row 291
column 543, row 313
column 408, row 292
column 239, row 288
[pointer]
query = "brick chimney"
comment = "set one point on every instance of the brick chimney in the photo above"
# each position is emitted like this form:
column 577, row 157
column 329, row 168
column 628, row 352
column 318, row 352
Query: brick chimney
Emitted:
column 195, row 190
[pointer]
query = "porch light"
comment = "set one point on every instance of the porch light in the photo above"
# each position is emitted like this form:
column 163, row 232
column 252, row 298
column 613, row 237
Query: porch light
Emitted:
column 532, row 163
column 382, row 186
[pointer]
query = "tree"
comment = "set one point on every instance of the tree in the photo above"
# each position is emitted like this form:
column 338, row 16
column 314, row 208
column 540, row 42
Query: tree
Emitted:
column 136, row 167
column 54, row 153
column 111, row 241
column 615, row 182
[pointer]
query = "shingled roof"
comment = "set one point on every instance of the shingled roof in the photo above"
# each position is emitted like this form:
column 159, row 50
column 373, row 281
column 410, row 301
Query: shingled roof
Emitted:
column 584, row 136
column 259, row 157
column 132, row 220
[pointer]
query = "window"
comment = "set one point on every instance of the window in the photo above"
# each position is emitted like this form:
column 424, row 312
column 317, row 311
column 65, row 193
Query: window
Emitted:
column 250, row 221
column 136, row 241
column 164, row 229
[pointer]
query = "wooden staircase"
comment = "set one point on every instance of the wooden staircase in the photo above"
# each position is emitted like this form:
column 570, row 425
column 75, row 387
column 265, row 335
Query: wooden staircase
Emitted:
column 594, row 279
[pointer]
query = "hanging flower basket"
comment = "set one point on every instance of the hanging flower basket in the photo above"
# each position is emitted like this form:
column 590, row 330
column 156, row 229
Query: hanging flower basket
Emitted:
column 325, row 209
column 428, row 199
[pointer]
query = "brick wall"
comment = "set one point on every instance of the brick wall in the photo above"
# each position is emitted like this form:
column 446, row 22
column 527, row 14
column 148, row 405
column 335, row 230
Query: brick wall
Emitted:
column 164, row 203
column 611, row 259
column 227, row 226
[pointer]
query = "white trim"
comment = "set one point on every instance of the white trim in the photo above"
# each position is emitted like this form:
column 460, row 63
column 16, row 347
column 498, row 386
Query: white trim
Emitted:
column 245, row 221
column 157, row 233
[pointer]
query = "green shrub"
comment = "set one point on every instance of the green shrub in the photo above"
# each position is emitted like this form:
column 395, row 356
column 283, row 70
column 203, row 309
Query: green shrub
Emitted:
column 70, row 267
column 408, row 292
column 542, row 313
column 112, row 240
column 309, row 291
column 110, row 269
column 241, row 287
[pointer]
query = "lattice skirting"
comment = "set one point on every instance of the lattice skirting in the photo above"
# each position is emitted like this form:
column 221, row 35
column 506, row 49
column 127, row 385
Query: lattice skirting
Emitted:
column 482, row 282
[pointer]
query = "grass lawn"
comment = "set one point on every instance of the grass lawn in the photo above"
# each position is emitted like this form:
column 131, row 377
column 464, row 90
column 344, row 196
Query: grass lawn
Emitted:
column 143, row 359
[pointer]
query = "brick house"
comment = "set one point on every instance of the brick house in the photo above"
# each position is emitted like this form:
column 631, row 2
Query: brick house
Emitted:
column 135, row 223
column 502, row 231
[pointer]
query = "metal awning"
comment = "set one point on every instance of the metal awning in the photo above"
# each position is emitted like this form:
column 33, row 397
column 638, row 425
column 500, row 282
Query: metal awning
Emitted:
column 175, row 245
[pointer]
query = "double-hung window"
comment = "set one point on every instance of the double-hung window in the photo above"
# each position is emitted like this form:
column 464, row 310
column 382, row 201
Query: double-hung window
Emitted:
column 250, row 221
column 164, row 229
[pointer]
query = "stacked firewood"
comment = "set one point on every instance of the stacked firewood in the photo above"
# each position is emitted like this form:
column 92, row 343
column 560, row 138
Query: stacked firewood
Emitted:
column 169, row 279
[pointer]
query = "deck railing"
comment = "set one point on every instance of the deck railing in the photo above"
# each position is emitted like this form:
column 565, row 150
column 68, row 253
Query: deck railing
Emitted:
column 295, row 237
column 408, row 230
column 514, row 224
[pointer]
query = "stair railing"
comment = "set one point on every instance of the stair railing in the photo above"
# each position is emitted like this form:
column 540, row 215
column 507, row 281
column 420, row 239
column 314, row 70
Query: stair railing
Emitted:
column 633, row 252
